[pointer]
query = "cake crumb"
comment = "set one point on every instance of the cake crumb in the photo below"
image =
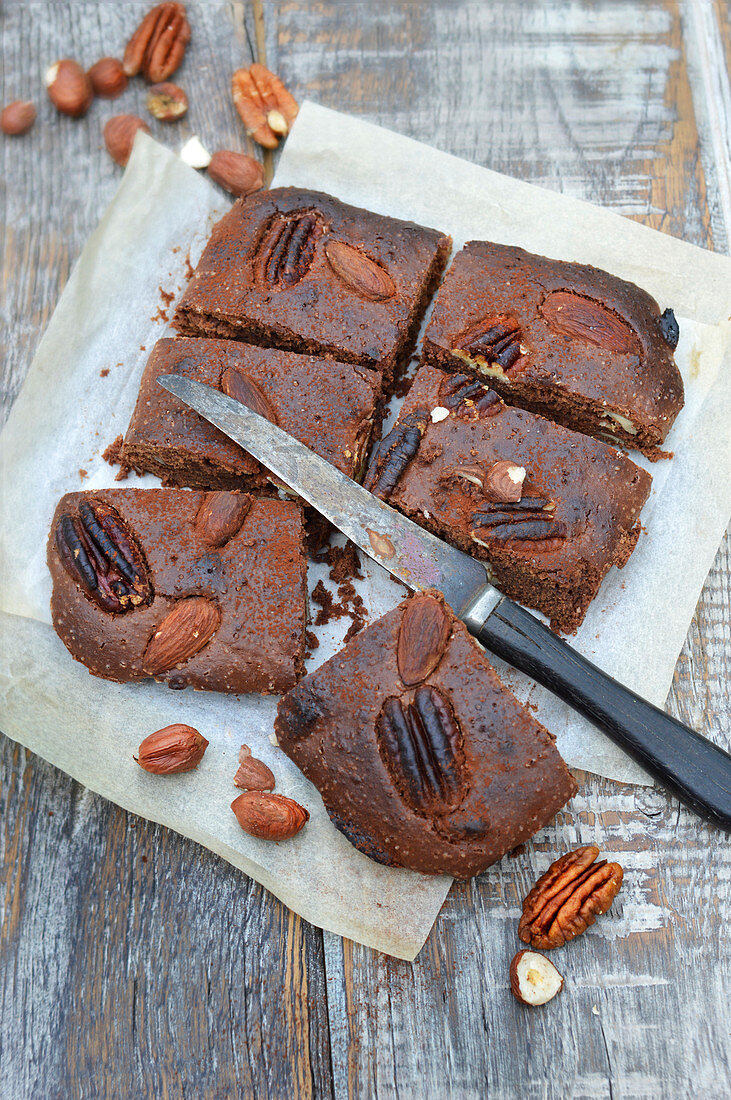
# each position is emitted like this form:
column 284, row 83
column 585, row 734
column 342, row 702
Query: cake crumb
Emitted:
column 83, row 473
column 104, row 372
column 113, row 455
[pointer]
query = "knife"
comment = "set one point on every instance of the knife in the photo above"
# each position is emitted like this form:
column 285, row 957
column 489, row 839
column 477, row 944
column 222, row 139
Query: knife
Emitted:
column 690, row 766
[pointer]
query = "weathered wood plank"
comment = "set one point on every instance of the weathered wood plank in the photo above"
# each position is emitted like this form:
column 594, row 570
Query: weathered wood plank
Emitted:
column 194, row 982
column 596, row 100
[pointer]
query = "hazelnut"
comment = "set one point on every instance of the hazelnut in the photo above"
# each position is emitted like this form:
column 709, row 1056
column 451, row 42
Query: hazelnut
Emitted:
column 69, row 88
column 173, row 749
column 194, row 154
column 534, row 979
column 504, row 482
column 108, row 78
column 17, row 117
column 167, row 102
column 119, row 136
column 236, row 172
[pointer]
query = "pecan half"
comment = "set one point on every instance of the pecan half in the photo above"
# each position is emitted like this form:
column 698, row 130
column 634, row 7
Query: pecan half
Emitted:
column 422, row 639
column 469, row 397
column 568, row 898
column 220, row 517
column 493, row 340
column 421, row 746
column 669, row 328
column 395, row 452
column 234, row 383
column 157, row 47
column 184, row 631
column 265, row 107
column 528, row 520
column 286, row 249
column 100, row 552
column 586, row 319
column 359, row 272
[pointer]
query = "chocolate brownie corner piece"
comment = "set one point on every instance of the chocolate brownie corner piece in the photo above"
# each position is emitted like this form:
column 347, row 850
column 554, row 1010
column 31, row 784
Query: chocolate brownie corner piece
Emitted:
column 550, row 534
column 330, row 407
column 199, row 589
column 422, row 756
column 303, row 271
column 569, row 341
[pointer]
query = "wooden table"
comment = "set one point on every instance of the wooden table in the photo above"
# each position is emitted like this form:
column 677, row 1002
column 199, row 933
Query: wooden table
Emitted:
column 135, row 964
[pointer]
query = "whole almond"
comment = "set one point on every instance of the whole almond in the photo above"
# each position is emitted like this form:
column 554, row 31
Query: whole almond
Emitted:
column 69, row 88
column 183, row 632
column 234, row 383
column 237, row 173
column 173, row 749
column 119, row 136
column 253, row 774
column 108, row 78
column 18, row 117
column 422, row 639
column 588, row 320
column 359, row 272
column 220, row 517
column 269, row 816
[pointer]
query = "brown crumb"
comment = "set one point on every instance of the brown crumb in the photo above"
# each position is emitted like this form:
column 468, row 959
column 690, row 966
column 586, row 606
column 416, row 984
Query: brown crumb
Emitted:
column 166, row 296
column 83, row 473
column 113, row 455
column 161, row 315
column 312, row 642
column 321, row 596
column 104, row 372
column 189, row 269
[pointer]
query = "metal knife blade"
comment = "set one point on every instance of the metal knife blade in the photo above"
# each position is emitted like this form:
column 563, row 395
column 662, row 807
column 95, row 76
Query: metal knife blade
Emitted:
column 410, row 553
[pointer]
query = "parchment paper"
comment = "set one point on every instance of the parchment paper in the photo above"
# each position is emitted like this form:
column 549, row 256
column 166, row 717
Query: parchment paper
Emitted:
column 79, row 394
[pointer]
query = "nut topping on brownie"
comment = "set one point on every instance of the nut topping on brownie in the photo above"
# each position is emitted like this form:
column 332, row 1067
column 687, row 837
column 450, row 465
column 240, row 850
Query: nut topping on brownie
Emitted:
column 422, row 756
column 568, row 341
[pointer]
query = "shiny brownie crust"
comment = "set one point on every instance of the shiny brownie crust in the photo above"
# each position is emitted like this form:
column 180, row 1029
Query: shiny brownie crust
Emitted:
column 330, row 407
column 592, row 492
column 503, row 781
column 246, row 288
column 614, row 376
column 254, row 578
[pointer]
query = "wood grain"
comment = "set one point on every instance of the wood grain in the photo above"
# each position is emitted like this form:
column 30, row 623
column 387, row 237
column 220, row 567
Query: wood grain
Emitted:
column 134, row 963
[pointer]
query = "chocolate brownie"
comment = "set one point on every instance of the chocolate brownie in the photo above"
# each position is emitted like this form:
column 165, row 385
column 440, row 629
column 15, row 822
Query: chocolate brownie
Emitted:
column 206, row 589
column 422, row 756
column 548, row 509
column 568, row 341
column 300, row 270
column 331, row 407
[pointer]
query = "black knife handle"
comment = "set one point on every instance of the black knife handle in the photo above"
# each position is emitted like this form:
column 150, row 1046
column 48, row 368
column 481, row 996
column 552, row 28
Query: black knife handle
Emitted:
column 692, row 767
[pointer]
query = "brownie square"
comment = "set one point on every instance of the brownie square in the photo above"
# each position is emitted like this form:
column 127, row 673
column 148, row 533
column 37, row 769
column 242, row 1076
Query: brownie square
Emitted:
column 330, row 407
column 206, row 589
column 423, row 758
column 302, row 271
column 549, row 510
column 565, row 340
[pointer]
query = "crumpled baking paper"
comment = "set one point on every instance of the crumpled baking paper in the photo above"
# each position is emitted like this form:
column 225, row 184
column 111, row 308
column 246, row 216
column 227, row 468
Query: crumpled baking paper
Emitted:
column 79, row 394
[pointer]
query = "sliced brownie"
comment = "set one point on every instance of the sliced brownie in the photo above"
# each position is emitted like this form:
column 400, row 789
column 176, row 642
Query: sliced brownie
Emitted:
column 422, row 756
column 302, row 271
column 329, row 406
column 568, row 341
column 548, row 509
column 206, row 589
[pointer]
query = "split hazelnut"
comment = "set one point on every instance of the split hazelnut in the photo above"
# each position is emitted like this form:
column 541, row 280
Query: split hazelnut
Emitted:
column 108, row 78
column 69, row 88
column 18, row 117
column 237, row 173
column 119, row 136
column 173, row 749
column 534, row 980
column 504, row 482
column 167, row 102
column 253, row 774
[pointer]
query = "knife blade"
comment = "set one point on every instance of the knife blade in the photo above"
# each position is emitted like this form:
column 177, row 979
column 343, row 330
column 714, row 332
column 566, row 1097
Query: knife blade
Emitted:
column 692, row 767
